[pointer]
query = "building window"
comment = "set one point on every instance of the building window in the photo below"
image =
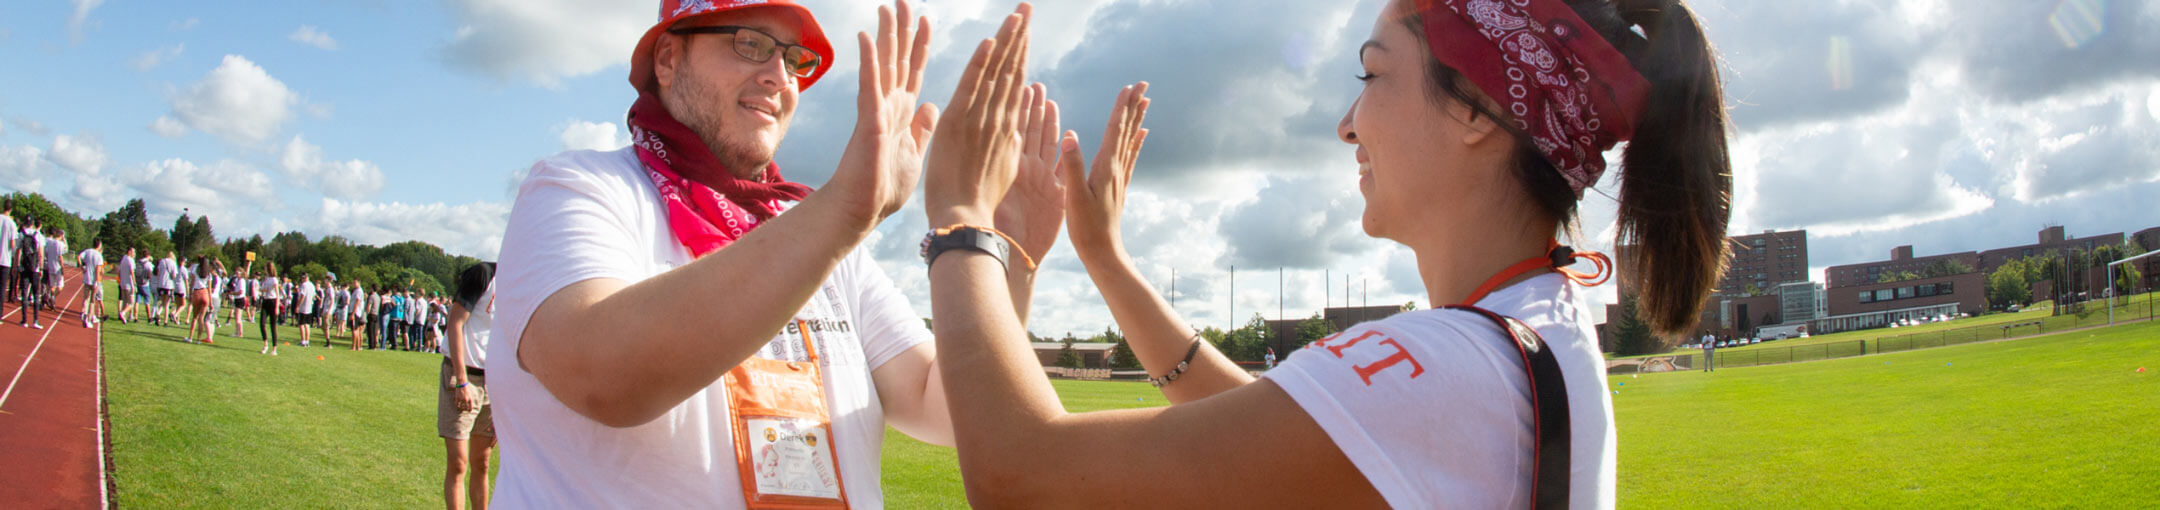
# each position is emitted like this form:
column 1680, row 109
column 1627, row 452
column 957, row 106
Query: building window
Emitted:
column 1944, row 288
column 1867, row 296
column 1927, row 290
column 1904, row 292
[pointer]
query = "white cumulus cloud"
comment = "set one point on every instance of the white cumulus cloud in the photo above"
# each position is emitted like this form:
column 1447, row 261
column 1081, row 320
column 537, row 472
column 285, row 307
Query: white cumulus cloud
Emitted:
column 311, row 36
column 217, row 186
column 238, row 101
column 22, row 168
column 97, row 193
column 544, row 41
column 167, row 127
column 473, row 229
column 349, row 179
column 599, row 136
column 82, row 154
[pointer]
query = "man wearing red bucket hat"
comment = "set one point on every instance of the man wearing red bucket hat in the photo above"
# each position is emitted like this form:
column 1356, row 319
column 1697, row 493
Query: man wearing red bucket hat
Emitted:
column 673, row 340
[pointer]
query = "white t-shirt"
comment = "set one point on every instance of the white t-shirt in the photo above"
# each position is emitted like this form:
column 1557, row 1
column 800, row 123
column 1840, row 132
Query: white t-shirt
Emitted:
column 583, row 215
column 168, row 276
column 91, row 260
column 55, row 253
column 126, row 270
column 1445, row 419
column 479, row 325
column 7, row 240
column 306, row 297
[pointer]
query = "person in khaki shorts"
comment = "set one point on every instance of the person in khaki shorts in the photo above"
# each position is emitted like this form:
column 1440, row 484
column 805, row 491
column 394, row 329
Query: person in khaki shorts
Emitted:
column 463, row 418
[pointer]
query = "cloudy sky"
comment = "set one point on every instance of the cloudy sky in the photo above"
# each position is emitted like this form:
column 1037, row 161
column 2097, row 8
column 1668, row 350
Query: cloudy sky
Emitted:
column 1947, row 125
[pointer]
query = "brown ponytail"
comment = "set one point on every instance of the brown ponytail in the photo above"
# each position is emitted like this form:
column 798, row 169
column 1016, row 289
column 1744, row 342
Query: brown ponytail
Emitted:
column 1675, row 176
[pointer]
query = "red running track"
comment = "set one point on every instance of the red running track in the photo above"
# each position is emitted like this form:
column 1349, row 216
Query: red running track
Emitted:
column 52, row 436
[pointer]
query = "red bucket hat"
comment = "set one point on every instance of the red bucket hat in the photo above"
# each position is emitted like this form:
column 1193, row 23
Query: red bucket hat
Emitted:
column 673, row 11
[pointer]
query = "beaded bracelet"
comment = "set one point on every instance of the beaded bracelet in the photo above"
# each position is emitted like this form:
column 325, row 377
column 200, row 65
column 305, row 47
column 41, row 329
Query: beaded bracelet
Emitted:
column 1180, row 368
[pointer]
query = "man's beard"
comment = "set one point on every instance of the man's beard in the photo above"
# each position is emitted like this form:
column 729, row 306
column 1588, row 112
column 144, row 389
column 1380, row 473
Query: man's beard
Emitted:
column 691, row 103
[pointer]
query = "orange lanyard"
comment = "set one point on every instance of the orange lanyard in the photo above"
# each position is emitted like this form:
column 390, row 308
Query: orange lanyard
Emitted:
column 1557, row 258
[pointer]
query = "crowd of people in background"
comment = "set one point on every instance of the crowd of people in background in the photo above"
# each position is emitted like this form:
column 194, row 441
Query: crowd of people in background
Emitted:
column 166, row 291
column 31, row 258
column 169, row 290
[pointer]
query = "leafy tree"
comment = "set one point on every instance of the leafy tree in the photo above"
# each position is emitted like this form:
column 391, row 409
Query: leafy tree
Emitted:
column 2008, row 285
column 2126, row 278
column 1632, row 336
column 1946, row 267
column 1067, row 356
column 1122, row 358
column 311, row 270
column 1313, row 328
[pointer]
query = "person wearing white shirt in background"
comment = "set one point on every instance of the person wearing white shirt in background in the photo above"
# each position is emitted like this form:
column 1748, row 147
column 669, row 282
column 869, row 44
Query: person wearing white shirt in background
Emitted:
column 630, row 335
column 10, row 234
column 168, row 295
column 270, row 294
column 56, row 256
column 92, row 261
column 201, row 287
column 239, row 289
column 463, row 417
column 125, row 274
column 304, row 311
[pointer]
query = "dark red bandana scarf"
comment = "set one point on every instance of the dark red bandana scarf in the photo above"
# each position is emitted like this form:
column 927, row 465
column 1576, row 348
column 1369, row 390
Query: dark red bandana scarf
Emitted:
column 1569, row 89
column 703, row 218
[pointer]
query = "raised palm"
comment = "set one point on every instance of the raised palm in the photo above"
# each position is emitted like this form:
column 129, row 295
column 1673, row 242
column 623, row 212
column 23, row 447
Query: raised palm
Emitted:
column 1095, row 198
column 892, row 130
column 1034, row 210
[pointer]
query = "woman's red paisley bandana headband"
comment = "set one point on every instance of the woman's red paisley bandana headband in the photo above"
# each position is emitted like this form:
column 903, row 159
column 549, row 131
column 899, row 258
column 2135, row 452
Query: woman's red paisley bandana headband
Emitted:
column 1563, row 84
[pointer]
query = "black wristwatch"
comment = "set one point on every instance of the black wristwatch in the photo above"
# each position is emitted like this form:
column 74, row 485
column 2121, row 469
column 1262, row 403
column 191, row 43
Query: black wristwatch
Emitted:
column 970, row 238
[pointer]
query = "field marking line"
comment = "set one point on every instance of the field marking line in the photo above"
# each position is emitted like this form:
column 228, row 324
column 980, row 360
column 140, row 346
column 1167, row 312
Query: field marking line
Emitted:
column 62, row 310
column 97, row 414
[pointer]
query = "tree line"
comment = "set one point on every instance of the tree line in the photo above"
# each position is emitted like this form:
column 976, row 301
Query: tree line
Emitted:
column 415, row 265
column 1248, row 343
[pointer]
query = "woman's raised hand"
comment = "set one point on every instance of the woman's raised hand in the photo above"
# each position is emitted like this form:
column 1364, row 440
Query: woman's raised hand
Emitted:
column 1034, row 210
column 978, row 149
column 1095, row 198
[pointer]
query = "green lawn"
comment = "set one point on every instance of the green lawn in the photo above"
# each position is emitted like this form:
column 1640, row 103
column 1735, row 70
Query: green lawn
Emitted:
column 2062, row 420
column 2055, row 421
column 920, row 475
column 224, row 426
column 1989, row 326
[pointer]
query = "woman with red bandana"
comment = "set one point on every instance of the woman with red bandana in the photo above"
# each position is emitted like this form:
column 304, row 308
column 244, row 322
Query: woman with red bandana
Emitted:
column 1480, row 125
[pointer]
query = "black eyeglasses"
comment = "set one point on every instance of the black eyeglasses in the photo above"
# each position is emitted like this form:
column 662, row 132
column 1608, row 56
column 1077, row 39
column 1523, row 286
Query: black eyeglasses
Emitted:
column 757, row 46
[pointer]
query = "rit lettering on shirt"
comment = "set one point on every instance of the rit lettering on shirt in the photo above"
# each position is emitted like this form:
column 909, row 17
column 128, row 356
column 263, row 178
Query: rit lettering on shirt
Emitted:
column 1395, row 353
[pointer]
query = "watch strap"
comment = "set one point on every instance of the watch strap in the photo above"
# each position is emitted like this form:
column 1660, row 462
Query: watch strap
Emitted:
column 965, row 237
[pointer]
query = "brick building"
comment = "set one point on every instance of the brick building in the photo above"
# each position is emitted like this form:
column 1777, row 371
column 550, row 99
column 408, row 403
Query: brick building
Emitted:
column 2145, row 241
column 1092, row 354
column 1766, row 261
column 2052, row 240
column 1901, row 261
column 1880, row 304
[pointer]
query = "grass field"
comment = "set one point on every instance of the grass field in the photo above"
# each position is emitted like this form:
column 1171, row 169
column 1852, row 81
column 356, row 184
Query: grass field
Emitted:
column 2057, row 421
column 224, row 426
column 2062, row 420
column 2137, row 306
